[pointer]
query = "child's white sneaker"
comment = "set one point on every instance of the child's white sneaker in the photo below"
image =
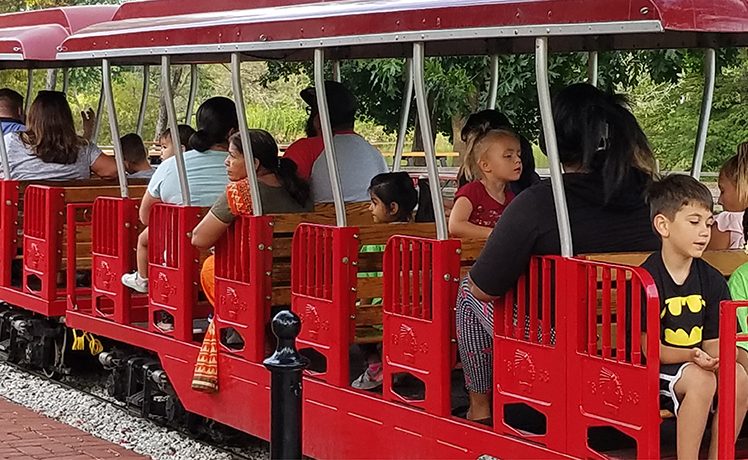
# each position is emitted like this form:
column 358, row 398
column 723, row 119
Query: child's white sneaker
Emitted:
column 135, row 282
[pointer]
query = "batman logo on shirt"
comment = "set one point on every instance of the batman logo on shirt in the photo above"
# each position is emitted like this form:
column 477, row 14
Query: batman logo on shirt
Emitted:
column 683, row 320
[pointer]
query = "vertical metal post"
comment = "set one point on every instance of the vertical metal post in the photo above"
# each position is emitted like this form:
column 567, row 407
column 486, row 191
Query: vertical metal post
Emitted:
column 241, row 114
column 144, row 100
column 29, row 87
column 424, row 119
column 106, row 73
column 493, row 87
column 171, row 114
column 286, row 366
column 4, row 158
column 549, row 132
column 592, row 67
column 99, row 110
column 336, row 71
column 710, row 71
column 404, row 115
column 65, row 79
column 327, row 136
column 193, row 94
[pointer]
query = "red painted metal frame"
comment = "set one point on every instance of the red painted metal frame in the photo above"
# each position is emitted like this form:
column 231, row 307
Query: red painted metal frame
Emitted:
column 243, row 291
column 9, row 236
column 114, row 234
column 726, row 385
column 578, row 381
column 420, row 287
column 173, row 269
column 323, row 278
column 352, row 18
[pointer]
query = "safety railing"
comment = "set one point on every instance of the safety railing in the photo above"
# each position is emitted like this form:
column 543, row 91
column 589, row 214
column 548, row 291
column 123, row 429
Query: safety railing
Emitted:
column 42, row 240
column 323, row 280
column 114, row 234
column 9, row 225
column 729, row 336
column 243, row 290
column 420, row 287
column 173, row 270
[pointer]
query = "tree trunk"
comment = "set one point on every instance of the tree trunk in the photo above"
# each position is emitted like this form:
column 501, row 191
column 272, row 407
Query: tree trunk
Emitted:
column 51, row 83
column 458, row 121
column 162, row 122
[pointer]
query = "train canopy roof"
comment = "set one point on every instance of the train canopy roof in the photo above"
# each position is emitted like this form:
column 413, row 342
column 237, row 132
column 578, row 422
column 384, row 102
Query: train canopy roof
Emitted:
column 36, row 35
column 385, row 28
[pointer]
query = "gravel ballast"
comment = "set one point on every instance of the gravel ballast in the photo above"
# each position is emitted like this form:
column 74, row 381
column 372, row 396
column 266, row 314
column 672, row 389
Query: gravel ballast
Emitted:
column 106, row 421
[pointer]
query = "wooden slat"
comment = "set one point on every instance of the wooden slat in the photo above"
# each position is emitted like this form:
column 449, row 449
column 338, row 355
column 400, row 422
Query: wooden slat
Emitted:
column 368, row 315
column 369, row 288
column 379, row 234
column 89, row 194
column 724, row 261
column 471, row 249
column 324, row 213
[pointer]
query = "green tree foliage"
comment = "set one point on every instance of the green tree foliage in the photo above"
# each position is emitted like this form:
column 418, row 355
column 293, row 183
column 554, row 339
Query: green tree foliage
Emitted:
column 669, row 113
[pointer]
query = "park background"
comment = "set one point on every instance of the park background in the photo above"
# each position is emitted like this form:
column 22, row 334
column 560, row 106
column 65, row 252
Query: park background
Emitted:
column 663, row 87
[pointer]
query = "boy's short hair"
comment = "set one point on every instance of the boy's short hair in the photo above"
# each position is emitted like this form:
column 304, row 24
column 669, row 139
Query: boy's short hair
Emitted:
column 668, row 195
column 133, row 148
column 11, row 100
column 185, row 133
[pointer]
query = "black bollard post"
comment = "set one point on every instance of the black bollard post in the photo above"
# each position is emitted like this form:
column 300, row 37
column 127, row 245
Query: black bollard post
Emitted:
column 286, row 366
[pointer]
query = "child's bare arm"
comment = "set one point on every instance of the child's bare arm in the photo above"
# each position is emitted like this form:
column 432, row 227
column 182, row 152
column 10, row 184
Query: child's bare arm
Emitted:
column 673, row 355
column 711, row 347
column 459, row 226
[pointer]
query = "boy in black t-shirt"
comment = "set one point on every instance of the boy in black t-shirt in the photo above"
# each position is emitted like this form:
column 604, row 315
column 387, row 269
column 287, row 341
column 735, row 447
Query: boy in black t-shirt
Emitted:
column 690, row 292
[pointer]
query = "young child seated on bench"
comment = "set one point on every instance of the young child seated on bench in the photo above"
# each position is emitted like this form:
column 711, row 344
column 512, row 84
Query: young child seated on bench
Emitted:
column 690, row 291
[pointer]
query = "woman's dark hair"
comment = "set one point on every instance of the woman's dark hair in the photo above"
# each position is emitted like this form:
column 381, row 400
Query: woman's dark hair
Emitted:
column 596, row 131
column 50, row 129
column 476, row 121
column 396, row 187
column 265, row 150
column 216, row 119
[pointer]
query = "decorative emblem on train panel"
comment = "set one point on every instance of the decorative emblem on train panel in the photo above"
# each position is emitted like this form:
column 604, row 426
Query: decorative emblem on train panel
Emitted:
column 409, row 344
column 522, row 367
column 312, row 322
column 34, row 256
column 163, row 287
column 104, row 274
column 609, row 390
column 231, row 303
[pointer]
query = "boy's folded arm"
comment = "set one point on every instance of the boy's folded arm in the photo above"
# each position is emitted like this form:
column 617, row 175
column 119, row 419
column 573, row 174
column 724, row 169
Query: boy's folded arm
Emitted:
column 673, row 355
column 711, row 346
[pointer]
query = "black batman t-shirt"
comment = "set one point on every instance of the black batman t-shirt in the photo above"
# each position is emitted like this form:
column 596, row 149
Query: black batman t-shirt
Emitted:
column 689, row 313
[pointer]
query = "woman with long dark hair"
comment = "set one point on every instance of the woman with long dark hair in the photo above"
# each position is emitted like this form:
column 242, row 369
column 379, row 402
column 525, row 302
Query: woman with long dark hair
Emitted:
column 50, row 149
column 607, row 167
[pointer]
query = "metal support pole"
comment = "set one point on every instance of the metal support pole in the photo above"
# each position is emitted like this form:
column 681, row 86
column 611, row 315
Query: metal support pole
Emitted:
column 404, row 115
column 424, row 119
column 336, row 71
column 710, row 71
column 29, row 87
column 592, row 67
column 549, row 132
column 65, row 79
column 493, row 87
column 99, row 110
column 327, row 136
column 144, row 100
column 4, row 158
column 193, row 94
column 106, row 73
column 171, row 113
column 241, row 114
column 286, row 366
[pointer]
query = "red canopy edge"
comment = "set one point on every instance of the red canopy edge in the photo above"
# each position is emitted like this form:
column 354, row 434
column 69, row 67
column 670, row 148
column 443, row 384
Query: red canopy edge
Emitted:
column 387, row 22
